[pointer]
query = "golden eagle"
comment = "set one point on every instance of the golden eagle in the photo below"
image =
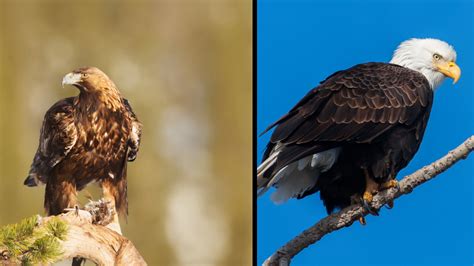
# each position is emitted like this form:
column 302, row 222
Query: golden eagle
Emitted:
column 84, row 139
column 353, row 133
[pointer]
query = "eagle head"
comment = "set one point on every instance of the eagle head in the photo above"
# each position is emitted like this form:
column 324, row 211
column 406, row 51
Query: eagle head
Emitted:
column 88, row 79
column 435, row 59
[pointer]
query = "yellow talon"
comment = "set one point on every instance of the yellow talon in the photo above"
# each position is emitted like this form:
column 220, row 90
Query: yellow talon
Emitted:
column 390, row 184
column 362, row 221
column 367, row 197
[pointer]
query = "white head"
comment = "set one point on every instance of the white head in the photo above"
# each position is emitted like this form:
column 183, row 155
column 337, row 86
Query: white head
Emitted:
column 434, row 58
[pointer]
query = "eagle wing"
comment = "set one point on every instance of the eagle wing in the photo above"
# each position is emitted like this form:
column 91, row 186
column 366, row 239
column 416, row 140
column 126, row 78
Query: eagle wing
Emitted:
column 351, row 106
column 57, row 137
column 135, row 134
column 115, row 189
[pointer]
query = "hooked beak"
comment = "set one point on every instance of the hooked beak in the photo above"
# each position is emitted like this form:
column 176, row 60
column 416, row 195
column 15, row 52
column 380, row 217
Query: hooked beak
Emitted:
column 72, row 79
column 450, row 69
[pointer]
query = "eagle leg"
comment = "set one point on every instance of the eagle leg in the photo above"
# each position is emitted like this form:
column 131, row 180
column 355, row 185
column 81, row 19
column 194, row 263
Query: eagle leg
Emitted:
column 110, row 198
column 371, row 188
column 392, row 183
column 357, row 199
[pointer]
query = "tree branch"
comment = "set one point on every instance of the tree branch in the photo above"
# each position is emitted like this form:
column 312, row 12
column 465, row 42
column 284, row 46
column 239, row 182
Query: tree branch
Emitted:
column 347, row 216
column 77, row 233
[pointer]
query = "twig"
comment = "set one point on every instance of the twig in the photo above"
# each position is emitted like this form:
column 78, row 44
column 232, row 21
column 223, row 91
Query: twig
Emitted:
column 347, row 216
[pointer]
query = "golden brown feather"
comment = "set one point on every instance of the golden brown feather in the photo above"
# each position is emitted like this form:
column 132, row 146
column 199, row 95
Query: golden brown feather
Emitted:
column 84, row 139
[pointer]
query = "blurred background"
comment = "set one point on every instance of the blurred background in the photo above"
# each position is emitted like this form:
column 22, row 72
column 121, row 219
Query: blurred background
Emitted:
column 185, row 66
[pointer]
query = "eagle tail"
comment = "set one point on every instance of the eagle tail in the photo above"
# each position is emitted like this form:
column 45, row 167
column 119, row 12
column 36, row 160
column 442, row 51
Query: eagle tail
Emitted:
column 115, row 190
column 296, row 178
column 292, row 182
column 121, row 201
column 31, row 181
column 262, row 178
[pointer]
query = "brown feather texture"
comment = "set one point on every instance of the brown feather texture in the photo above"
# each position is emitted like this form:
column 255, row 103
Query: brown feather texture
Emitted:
column 84, row 139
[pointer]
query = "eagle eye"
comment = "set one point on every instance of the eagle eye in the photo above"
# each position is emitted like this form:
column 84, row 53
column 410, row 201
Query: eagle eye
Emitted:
column 84, row 75
column 437, row 56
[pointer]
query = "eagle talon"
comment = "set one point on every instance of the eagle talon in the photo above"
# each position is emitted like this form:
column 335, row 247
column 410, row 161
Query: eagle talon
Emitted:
column 367, row 197
column 366, row 200
column 390, row 184
column 389, row 205
column 370, row 209
column 75, row 209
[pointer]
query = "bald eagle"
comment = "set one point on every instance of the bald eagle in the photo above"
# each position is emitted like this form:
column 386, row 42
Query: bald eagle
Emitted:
column 349, row 137
column 84, row 139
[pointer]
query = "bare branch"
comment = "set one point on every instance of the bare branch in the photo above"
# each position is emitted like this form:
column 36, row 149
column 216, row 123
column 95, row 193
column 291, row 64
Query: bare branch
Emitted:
column 347, row 216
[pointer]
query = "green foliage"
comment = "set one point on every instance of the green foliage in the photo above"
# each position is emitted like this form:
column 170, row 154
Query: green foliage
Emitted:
column 30, row 243
column 16, row 238
column 57, row 228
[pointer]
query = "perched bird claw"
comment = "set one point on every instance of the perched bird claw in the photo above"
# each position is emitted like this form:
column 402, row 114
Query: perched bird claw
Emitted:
column 397, row 185
column 370, row 209
column 366, row 200
column 75, row 209
column 392, row 183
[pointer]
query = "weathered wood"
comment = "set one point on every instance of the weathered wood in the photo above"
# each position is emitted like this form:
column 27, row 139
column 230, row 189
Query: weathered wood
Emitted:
column 89, row 237
column 97, row 243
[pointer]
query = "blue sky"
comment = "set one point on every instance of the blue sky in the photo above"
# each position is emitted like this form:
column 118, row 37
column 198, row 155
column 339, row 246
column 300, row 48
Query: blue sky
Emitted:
column 298, row 45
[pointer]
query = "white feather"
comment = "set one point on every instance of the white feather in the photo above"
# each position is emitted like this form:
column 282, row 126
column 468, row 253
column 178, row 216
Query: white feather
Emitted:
column 296, row 185
column 298, row 177
column 263, row 167
column 267, row 163
column 303, row 162
column 417, row 54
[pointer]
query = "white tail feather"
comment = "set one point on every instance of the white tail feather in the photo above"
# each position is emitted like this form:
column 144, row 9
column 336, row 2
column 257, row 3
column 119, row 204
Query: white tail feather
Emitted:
column 294, row 184
column 267, row 163
column 296, row 178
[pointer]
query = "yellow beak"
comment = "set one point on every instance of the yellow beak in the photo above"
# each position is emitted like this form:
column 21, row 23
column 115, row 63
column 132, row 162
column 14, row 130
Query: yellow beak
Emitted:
column 450, row 69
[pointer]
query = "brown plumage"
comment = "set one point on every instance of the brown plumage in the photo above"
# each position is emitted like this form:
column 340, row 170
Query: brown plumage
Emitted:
column 370, row 117
column 84, row 139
